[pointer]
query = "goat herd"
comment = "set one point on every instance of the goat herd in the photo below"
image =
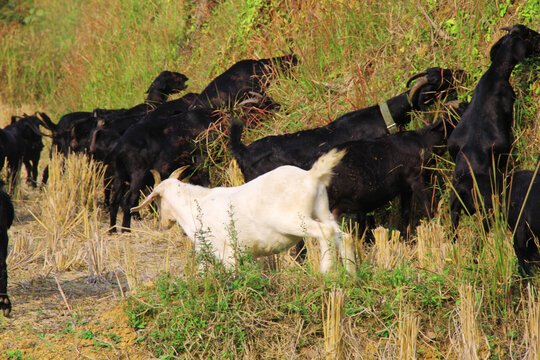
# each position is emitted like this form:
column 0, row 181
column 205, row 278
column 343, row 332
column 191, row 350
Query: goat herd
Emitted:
column 296, row 184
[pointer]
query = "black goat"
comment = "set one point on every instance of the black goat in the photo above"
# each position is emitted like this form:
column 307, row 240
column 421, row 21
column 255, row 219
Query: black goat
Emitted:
column 73, row 133
column 373, row 172
column 6, row 219
column 165, row 84
column 163, row 144
column 523, row 216
column 242, row 81
column 107, row 133
column 481, row 141
column 301, row 148
column 23, row 143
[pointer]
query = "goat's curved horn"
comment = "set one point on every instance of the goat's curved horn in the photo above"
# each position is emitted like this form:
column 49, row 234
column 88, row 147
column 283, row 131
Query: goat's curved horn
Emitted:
column 256, row 94
column 176, row 173
column 248, row 101
column 157, row 177
column 36, row 130
column 417, row 85
column 46, row 121
column 145, row 202
column 415, row 76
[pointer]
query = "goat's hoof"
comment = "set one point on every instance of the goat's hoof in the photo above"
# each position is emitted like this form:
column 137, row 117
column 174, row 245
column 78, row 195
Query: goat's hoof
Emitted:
column 5, row 305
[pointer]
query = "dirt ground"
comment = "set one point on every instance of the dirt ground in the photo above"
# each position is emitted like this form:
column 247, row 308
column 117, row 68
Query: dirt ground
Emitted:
column 72, row 314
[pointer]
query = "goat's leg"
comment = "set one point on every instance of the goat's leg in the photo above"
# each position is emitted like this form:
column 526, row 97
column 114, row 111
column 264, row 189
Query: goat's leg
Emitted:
column 117, row 195
column 5, row 304
column 326, row 229
column 107, row 185
column 300, row 247
column 343, row 240
column 45, row 176
column 526, row 249
column 35, row 163
column 28, row 168
column 325, row 234
column 345, row 245
column 455, row 209
column 132, row 199
column 31, row 172
column 405, row 222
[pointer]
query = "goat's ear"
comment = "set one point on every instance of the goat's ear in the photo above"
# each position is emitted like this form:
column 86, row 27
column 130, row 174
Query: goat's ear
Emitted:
column 176, row 173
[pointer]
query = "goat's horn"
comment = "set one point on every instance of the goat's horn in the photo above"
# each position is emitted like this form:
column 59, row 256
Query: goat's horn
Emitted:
column 157, row 177
column 176, row 173
column 36, row 130
column 507, row 28
column 46, row 121
column 256, row 94
column 415, row 76
column 248, row 101
column 144, row 203
column 417, row 85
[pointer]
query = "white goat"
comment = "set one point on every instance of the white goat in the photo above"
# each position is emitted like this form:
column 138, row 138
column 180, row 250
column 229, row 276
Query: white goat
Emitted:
column 269, row 214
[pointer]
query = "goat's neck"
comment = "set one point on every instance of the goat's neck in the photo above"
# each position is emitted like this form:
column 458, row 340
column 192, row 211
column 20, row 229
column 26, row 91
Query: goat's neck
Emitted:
column 184, row 206
column 503, row 65
column 156, row 97
column 434, row 135
column 400, row 107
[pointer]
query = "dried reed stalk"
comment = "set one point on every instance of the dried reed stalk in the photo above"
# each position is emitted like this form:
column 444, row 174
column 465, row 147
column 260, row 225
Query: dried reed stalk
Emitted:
column 69, row 200
column 388, row 252
column 63, row 294
column 24, row 251
column 352, row 228
column 532, row 325
column 233, row 174
column 96, row 251
column 313, row 253
column 130, row 267
column 468, row 333
column 432, row 246
column 332, row 324
column 64, row 254
column 407, row 335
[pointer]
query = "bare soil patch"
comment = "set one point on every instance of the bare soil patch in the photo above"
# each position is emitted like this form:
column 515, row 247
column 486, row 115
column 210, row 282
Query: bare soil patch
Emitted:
column 72, row 314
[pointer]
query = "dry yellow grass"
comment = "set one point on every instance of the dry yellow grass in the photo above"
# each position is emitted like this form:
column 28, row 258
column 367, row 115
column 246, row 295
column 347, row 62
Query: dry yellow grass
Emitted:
column 469, row 340
column 433, row 246
column 407, row 335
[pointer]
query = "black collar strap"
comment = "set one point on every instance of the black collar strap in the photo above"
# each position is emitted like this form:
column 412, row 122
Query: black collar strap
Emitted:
column 390, row 123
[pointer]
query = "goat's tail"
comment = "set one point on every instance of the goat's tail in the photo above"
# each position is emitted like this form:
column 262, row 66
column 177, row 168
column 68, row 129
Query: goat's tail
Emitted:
column 322, row 169
column 235, row 137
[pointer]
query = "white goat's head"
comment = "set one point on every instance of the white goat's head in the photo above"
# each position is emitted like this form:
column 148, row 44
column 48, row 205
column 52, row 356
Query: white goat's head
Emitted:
column 166, row 211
